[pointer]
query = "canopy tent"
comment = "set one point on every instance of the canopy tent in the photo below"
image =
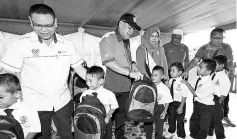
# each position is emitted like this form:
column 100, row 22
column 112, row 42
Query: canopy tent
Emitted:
column 101, row 16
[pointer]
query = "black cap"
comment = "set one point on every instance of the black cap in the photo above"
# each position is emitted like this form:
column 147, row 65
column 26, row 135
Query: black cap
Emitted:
column 131, row 20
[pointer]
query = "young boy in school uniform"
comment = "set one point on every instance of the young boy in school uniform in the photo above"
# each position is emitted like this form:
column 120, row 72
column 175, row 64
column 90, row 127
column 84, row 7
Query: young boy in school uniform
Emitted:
column 164, row 98
column 177, row 108
column 12, row 105
column 204, row 92
column 94, row 80
column 221, row 79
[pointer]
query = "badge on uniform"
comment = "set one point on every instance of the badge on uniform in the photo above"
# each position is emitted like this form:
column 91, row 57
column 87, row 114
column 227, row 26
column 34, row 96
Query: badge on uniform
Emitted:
column 217, row 83
column 178, row 88
column 23, row 120
column 35, row 52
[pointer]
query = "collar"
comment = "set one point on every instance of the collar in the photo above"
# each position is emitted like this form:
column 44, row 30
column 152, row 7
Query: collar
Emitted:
column 13, row 106
column 177, row 78
column 118, row 35
column 221, row 72
column 205, row 78
column 98, row 90
column 57, row 38
column 210, row 47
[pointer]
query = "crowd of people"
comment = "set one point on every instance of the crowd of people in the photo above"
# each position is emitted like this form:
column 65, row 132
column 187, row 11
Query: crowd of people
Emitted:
column 42, row 59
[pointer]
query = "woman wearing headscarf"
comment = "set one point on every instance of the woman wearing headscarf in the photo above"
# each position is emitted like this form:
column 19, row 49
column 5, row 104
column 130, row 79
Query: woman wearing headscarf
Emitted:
column 150, row 53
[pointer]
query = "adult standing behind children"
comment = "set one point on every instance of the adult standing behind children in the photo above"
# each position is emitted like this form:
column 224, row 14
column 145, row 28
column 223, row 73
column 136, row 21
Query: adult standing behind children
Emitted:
column 150, row 53
column 116, row 56
column 176, row 51
column 43, row 59
column 213, row 48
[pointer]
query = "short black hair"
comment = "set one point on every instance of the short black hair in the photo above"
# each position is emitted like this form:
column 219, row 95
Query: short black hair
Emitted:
column 210, row 64
column 217, row 30
column 221, row 59
column 96, row 70
column 41, row 9
column 178, row 65
column 159, row 68
column 10, row 82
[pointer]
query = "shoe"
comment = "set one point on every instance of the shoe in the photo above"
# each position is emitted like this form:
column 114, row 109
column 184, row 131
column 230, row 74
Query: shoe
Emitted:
column 188, row 137
column 209, row 137
column 168, row 135
column 227, row 120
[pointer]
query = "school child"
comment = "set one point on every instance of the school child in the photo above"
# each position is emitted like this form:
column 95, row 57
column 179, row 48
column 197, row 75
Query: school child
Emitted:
column 204, row 92
column 12, row 105
column 94, row 80
column 163, row 100
column 221, row 79
column 177, row 108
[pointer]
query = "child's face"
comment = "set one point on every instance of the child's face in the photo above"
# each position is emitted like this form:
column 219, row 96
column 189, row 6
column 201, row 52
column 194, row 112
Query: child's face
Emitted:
column 7, row 98
column 174, row 72
column 93, row 82
column 202, row 69
column 156, row 76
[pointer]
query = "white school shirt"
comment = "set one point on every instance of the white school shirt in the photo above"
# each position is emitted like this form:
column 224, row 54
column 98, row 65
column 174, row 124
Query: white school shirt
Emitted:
column 44, row 69
column 221, row 79
column 180, row 89
column 27, row 116
column 106, row 97
column 163, row 95
column 206, row 89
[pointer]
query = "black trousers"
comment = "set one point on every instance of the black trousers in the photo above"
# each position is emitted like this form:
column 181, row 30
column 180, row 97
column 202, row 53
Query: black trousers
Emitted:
column 216, row 122
column 120, row 115
column 108, row 134
column 174, row 117
column 61, row 119
column 159, row 123
column 226, row 106
column 200, row 120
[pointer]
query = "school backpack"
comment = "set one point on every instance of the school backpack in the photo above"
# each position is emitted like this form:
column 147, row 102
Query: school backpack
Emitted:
column 142, row 100
column 89, row 118
column 10, row 128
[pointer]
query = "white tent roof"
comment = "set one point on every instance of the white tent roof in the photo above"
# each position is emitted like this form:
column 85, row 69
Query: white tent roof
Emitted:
column 100, row 16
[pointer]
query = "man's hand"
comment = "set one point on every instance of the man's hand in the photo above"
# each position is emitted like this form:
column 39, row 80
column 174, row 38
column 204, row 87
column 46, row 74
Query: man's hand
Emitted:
column 180, row 110
column 134, row 67
column 185, row 74
column 136, row 75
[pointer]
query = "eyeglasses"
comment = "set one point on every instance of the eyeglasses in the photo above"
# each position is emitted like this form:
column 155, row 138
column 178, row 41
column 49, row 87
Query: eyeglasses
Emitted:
column 47, row 26
column 218, row 38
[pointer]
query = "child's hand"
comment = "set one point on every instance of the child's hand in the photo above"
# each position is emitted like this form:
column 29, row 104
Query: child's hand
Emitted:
column 107, row 119
column 162, row 116
column 180, row 110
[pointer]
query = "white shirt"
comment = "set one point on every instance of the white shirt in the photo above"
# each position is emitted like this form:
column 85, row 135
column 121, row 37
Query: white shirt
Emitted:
column 180, row 89
column 106, row 97
column 44, row 69
column 163, row 95
column 221, row 79
column 206, row 89
column 27, row 116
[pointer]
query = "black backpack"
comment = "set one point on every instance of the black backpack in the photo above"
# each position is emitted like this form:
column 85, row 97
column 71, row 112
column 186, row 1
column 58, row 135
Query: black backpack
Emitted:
column 89, row 119
column 10, row 128
column 142, row 100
